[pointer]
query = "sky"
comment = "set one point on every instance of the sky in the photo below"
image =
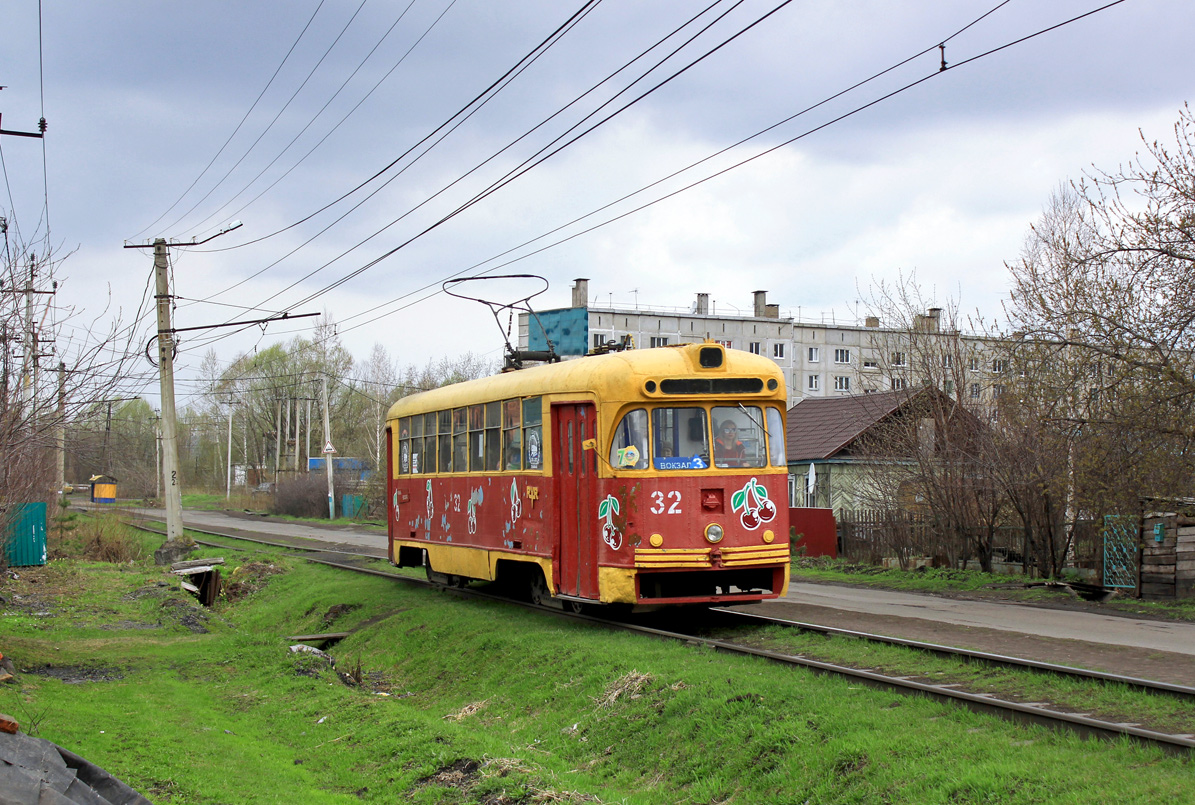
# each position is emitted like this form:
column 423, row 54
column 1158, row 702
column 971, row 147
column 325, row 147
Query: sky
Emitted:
column 173, row 119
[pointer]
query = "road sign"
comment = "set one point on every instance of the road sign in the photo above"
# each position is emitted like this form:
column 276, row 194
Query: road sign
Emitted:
column 328, row 448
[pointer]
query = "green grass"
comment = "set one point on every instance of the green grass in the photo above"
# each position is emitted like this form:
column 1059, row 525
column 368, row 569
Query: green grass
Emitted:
column 490, row 703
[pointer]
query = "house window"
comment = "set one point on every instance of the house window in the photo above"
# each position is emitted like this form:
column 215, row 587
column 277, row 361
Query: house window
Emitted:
column 753, row 347
column 974, row 391
column 778, row 350
column 814, row 382
column 727, row 344
column 842, row 383
column 898, row 359
column 999, row 366
column 659, row 340
column 815, row 354
column 947, row 361
column 898, row 383
column 948, row 387
column 842, row 356
column 997, row 390
column 871, row 364
column 599, row 340
column 973, row 364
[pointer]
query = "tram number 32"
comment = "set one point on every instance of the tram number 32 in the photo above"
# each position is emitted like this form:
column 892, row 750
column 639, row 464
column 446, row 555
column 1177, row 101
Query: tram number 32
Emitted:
column 658, row 505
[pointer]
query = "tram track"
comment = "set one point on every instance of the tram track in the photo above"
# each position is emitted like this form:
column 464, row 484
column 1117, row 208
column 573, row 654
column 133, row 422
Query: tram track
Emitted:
column 1036, row 713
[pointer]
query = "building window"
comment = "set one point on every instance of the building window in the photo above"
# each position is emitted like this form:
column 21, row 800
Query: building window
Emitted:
column 842, row 355
column 815, row 354
column 898, row 383
column 814, row 383
column 778, row 350
column 999, row 366
column 973, row 364
column 842, row 383
column 871, row 364
column 659, row 341
column 997, row 390
column 599, row 340
column 974, row 391
column 947, row 361
column 727, row 344
column 948, row 387
column 753, row 347
column 898, row 359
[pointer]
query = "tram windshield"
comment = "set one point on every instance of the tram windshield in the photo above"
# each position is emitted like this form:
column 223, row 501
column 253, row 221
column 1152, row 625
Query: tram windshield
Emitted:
column 680, row 438
column 739, row 438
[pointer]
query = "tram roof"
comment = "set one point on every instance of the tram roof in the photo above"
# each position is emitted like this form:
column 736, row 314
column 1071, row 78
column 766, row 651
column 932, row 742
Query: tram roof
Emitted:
column 615, row 376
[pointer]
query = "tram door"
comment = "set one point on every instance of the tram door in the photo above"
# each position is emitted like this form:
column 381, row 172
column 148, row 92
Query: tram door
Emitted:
column 575, row 474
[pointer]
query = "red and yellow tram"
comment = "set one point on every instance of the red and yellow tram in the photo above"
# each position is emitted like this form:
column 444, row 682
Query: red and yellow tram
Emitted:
column 645, row 477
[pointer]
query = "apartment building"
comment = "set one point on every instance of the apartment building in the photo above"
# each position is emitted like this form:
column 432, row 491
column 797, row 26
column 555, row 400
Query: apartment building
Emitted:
column 819, row 359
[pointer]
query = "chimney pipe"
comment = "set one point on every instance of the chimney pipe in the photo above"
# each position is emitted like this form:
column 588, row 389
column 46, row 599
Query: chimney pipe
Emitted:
column 581, row 292
column 761, row 304
column 703, row 304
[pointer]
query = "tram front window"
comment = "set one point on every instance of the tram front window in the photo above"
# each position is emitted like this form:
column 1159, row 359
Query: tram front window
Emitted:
column 739, row 439
column 628, row 448
column 680, row 439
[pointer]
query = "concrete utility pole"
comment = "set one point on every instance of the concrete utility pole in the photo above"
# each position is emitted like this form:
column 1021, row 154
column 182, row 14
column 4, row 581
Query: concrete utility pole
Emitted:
column 328, row 452
column 174, row 489
column 177, row 544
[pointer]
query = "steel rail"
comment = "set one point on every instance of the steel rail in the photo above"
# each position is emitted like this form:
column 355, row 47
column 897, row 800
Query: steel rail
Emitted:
column 1018, row 712
column 1151, row 685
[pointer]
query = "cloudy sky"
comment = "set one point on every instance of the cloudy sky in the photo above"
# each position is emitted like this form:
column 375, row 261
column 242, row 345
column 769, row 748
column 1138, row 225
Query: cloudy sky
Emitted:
column 172, row 119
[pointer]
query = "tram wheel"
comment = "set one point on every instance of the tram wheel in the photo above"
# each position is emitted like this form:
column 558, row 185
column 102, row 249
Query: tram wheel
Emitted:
column 539, row 591
column 576, row 607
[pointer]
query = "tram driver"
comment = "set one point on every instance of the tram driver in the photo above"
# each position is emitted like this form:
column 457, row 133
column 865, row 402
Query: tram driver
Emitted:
column 728, row 450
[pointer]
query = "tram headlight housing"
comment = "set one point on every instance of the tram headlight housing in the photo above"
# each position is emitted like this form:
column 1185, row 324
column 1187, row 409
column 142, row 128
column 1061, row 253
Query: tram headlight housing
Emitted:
column 713, row 533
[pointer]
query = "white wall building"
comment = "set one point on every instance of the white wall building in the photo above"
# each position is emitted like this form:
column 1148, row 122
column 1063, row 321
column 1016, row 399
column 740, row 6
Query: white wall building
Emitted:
column 818, row 359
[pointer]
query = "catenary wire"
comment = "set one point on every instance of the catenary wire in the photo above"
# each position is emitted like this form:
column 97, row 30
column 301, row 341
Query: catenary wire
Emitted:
column 252, row 106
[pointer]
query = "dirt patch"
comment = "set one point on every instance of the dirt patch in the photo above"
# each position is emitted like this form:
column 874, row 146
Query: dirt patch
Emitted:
column 248, row 579
column 76, row 674
column 336, row 611
column 185, row 614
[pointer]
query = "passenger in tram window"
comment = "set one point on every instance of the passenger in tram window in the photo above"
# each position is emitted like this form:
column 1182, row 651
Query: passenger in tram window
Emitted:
column 727, row 447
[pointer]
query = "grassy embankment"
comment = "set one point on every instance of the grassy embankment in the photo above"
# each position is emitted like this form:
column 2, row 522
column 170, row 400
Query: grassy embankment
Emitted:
column 486, row 703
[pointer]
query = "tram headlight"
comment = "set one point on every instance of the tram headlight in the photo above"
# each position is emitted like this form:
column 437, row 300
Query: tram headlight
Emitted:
column 713, row 533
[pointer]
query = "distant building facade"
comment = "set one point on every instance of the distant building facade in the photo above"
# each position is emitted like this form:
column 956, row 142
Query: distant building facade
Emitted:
column 819, row 359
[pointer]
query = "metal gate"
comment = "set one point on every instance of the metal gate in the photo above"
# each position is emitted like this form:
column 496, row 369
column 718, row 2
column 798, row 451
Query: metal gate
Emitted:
column 1120, row 551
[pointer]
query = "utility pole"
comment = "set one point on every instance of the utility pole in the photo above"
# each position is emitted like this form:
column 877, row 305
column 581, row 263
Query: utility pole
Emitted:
column 177, row 543
column 60, row 436
column 174, row 490
column 328, row 451
column 228, row 492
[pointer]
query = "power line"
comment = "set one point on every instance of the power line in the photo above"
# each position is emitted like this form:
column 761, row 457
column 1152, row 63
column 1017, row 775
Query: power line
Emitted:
column 253, row 106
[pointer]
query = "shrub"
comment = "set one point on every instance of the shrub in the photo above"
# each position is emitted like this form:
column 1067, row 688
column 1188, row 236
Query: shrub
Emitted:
column 302, row 496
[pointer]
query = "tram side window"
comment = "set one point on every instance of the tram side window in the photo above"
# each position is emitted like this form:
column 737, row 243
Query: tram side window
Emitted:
column 738, row 437
column 776, row 438
column 460, row 440
column 416, row 444
column 427, row 462
column 512, row 435
column 680, row 439
column 628, row 448
column 404, row 445
column 445, row 441
column 493, row 444
column 476, row 437
column 533, row 444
